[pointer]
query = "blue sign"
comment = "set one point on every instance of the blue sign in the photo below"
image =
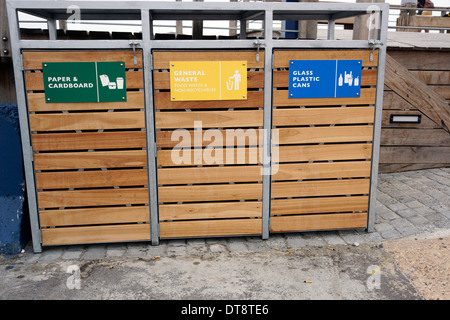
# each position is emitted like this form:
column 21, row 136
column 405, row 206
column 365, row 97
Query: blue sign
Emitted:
column 325, row 78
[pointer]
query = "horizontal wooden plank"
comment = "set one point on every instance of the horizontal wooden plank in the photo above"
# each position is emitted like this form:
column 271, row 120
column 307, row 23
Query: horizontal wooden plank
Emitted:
column 36, row 102
column 296, row 171
column 32, row 60
column 410, row 155
column 323, row 152
column 218, row 192
column 325, row 134
column 210, row 175
column 319, row 205
column 313, row 116
column 422, row 59
column 443, row 91
column 91, row 179
column 210, row 138
column 90, row 216
column 97, row 234
column 433, row 77
column 35, row 80
column 206, row 228
column 281, row 58
column 161, row 59
column 90, row 160
column 415, row 137
column 281, row 99
column 229, row 156
column 255, row 79
column 89, row 140
column 216, row 210
column 320, row 188
column 209, row 119
column 87, row 121
column 400, row 167
column 281, row 78
column 255, row 99
column 318, row 222
column 92, row 197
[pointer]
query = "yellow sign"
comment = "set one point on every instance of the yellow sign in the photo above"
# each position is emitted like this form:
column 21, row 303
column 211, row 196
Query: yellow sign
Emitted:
column 208, row 80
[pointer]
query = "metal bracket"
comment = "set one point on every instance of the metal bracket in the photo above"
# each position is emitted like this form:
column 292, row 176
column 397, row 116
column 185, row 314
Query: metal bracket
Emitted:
column 134, row 43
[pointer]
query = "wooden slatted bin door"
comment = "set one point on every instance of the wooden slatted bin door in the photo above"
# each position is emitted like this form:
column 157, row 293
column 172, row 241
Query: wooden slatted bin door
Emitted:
column 90, row 159
column 324, row 150
column 208, row 194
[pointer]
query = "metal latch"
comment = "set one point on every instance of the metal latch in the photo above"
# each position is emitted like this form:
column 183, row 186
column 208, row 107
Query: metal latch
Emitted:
column 258, row 44
column 374, row 44
column 134, row 43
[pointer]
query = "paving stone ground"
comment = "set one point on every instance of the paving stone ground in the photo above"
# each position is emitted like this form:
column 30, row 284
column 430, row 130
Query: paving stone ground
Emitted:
column 408, row 203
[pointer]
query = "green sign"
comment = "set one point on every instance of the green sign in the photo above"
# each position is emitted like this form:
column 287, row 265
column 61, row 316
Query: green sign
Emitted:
column 84, row 82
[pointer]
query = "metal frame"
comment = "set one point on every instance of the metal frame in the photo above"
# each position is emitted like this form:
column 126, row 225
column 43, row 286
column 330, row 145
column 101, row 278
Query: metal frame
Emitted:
column 147, row 13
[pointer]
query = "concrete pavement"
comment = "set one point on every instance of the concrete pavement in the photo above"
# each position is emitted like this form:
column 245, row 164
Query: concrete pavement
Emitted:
column 349, row 264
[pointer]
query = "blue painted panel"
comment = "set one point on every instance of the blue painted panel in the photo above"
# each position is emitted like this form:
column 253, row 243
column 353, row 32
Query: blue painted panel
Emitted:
column 14, row 227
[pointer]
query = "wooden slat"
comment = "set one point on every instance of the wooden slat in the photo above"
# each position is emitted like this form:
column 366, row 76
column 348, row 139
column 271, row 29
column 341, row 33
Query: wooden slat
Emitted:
column 206, row 228
column 295, row 171
column 433, row 77
column 89, row 216
column 313, row 116
column 161, row 59
column 255, row 99
column 325, row 134
column 36, row 102
column 216, row 138
column 90, row 160
column 320, row 188
column 87, row 121
column 35, row 80
column 422, row 59
column 219, row 192
column 415, row 137
column 319, row 205
column 410, row 155
column 210, row 175
column 92, row 197
column 281, row 58
column 91, row 179
column 216, row 210
column 209, row 119
column 236, row 156
column 443, row 91
column 281, row 78
column 281, row 99
column 32, row 60
column 318, row 222
column 255, row 79
column 392, row 101
column 89, row 140
column 97, row 234
column 323, row 152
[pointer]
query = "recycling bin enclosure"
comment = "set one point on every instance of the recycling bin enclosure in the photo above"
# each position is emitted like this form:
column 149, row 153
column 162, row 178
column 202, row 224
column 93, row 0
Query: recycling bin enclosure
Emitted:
column 147, row 139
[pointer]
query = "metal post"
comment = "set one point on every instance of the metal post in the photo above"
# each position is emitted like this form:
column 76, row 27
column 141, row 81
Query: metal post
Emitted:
column 267, row 148
column 150, row 126
column 52, row 33
column 24, row 129
column 377, row 122
column 331, row 29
